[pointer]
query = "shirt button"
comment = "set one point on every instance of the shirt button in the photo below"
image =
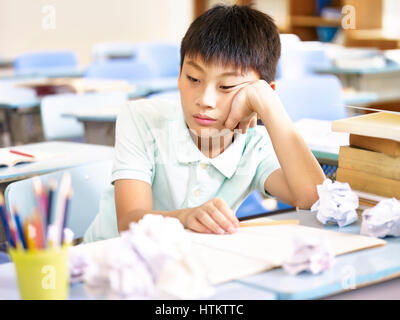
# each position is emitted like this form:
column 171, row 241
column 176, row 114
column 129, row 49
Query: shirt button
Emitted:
column 196, row 192
column 204, row 165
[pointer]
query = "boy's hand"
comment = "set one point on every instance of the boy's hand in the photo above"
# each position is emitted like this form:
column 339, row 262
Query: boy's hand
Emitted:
column 245, row 105
column 214, row 216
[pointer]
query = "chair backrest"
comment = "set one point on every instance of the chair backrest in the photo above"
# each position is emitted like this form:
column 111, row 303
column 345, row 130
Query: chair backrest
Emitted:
column 129, row 70
column 316, row 97
column 36, row 61
column 88, row 183
column 163, row 57
column 56, row 126
column 301, row 58
column 253, row 207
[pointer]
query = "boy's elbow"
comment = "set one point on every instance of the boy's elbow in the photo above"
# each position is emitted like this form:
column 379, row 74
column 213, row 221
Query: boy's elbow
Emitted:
column 307, row 198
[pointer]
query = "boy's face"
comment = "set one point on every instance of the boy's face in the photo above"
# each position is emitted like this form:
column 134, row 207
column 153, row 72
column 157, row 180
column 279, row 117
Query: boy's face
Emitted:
column 207, row 91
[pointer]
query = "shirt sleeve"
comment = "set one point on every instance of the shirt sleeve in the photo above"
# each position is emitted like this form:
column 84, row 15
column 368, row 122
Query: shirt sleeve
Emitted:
column 268, row 164
column 134, row 146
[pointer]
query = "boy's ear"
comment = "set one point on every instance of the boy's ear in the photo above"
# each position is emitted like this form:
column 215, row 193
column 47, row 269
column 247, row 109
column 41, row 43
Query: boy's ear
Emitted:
column 273, row 85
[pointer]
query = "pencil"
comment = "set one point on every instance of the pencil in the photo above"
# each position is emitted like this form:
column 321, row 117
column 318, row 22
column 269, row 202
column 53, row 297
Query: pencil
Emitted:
column 30, row 234
column 67, row 202
column 19, row 229
column 267, row 223
column 6, row 225
column 40, row 238
column 42, row 205
column 22, row 153
column 63, row 192
column 52, row 185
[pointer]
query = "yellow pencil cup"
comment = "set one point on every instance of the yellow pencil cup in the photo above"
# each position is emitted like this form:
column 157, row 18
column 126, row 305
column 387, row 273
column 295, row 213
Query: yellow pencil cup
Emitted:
column 42, row 274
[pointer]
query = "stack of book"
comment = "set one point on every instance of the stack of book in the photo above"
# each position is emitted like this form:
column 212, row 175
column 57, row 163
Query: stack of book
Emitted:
column 371, row 161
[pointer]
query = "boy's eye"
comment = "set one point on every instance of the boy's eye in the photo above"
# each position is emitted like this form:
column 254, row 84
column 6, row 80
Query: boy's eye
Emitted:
column 192, row 79
column 226, row 87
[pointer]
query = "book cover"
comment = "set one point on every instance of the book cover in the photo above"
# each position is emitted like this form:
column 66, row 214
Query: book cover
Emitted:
column 373, row 162
column 387, row 146
column 368, row 182
column 384, row 125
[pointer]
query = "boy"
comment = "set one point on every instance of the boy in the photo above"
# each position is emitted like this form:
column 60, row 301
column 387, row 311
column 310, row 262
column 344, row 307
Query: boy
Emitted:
column 197, row 160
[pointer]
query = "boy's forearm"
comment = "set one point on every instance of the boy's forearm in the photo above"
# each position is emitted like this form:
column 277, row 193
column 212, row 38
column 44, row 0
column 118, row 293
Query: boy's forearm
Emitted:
column 301, row 169
column 136, row 215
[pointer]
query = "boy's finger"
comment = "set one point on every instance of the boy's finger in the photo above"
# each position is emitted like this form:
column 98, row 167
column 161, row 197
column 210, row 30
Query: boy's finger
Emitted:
column 209, row 223
column 253, row 122
column 231, row 122
column 223, row 221
column 226, row 210
column 197, row 226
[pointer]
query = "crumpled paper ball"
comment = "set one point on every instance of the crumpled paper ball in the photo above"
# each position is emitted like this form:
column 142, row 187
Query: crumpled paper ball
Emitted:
column 152, row 260
column 337, row 203
column 309, row 254
column 382, row 220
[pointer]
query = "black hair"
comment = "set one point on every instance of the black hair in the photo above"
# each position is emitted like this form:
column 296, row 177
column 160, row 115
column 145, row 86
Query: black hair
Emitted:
column 237, row 35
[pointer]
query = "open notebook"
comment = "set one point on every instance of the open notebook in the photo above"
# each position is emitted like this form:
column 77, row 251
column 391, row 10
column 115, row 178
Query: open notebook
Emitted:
column 251, row 250
column 10, row 159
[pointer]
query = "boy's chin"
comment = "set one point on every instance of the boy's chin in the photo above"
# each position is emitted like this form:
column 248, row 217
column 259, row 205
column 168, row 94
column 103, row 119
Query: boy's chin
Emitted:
column 209, row 132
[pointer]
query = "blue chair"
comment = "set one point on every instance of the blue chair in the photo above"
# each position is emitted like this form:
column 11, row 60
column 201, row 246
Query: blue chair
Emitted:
column 129, row 70
column 163, row 57
column 317, row 97
column 39, row 62
column 56, row 126
column 301, row 59
column 88, row 183
column 253, row 206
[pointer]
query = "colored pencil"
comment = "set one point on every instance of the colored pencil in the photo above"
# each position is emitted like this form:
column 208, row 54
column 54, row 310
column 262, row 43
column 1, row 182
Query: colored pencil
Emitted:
column 249, row 223
column 22, row 153
column 64, row 225
column 19, row 229
column 40, row 238
column 42, row 201
column 5, row 221
column 65, row 187
column 52, row 185
column 30, row 234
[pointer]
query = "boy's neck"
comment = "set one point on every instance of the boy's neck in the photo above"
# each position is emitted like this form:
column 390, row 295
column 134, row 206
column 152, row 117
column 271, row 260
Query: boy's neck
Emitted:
column 212, row 147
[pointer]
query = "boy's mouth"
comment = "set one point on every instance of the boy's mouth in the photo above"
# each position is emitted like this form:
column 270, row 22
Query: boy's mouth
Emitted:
column 203, row 119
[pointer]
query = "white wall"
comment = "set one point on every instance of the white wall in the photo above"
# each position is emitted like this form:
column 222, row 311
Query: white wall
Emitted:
column 30, row 25
column 391, row 14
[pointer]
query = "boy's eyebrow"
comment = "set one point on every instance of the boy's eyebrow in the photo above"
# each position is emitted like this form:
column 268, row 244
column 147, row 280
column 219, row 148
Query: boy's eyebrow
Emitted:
column 225, row 74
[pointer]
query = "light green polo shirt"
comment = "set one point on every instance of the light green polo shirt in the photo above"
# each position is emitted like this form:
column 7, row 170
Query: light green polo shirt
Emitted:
column 153, row 144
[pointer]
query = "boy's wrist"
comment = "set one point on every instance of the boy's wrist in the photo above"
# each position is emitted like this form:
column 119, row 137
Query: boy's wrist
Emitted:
column 262, row 97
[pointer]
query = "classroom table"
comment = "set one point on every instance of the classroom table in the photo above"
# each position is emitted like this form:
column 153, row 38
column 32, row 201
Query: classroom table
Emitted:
column 384, row 81
column 63, row 155
column 99, row 124
column 48, row 72
column 358, row 275
column 21, row 114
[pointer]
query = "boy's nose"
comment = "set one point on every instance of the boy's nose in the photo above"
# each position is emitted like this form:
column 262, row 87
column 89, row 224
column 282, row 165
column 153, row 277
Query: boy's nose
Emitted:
column 207, row 98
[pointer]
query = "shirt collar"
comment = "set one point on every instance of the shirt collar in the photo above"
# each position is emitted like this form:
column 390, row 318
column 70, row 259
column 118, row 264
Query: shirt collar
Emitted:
column 227, row 162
